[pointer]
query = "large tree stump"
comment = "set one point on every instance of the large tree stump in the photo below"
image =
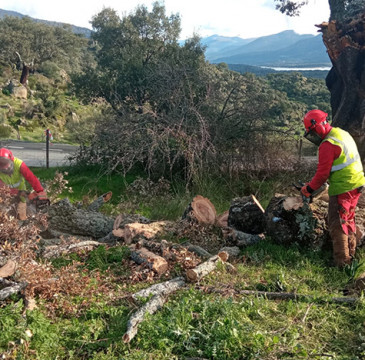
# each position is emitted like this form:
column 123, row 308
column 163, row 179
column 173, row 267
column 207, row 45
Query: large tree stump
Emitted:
column 289, row 220
column 200, row 210
column 246, row 214
column 66, row 218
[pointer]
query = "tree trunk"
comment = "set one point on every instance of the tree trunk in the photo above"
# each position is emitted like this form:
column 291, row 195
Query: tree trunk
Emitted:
column 289, row 220
column 65, row 217
column 345, row 42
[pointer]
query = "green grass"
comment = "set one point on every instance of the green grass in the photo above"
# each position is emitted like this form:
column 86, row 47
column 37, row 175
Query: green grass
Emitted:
column 194, row 324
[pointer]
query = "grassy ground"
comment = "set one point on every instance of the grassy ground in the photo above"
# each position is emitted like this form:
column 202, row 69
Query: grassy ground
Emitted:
column 195, row 323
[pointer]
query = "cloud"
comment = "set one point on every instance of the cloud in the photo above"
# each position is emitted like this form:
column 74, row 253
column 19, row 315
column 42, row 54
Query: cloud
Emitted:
column 243, row 18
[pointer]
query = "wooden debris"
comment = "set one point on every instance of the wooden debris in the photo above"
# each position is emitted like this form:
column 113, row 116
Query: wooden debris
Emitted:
column 100, row 201
column 278, row 295
column 196, row 249
column 222, row 219
column 154, row 304
column 206, row 267
column 8, row 269
column 54, row 251
column 200, row 210
column 160, row 293
column 135, row 231
column 290, row 221
column 233, row 251
column 67, row 218
column 246, row 214
column 153, row 261
column 164, row 288
column 241, row 239
column 10, row 288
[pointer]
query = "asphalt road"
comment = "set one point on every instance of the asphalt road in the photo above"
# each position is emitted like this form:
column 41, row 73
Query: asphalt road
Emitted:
column 34, row 154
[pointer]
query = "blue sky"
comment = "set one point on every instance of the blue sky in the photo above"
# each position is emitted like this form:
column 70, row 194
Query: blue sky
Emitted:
column 243, row 18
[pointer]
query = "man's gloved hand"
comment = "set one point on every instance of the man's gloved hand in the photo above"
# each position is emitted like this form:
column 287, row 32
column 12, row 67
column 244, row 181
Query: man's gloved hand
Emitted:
column 306, row 191
column 42, row 195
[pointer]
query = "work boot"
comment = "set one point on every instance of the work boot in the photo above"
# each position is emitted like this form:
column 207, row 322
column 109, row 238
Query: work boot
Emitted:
column 352, row 244
column 340, row 243
column 22, row 210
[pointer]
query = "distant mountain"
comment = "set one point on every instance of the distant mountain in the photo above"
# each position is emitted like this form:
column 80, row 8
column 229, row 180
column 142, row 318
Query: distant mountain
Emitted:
column 76, row 29
column 218, row 45
column 285, row 49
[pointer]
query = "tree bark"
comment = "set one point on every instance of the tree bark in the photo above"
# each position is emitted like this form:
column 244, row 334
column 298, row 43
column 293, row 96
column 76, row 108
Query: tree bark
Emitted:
column 206, row 267
column 153, row 261
column 246, row 214
column 64, row 217
column 289, row 220
column 345, row 43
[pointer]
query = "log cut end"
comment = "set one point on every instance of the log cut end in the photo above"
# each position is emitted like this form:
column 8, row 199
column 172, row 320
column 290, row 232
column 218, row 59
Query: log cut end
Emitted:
column 201, row 210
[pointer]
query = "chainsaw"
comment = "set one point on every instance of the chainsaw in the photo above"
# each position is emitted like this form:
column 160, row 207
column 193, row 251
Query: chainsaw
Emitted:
column 40, row 204
column 309, row 199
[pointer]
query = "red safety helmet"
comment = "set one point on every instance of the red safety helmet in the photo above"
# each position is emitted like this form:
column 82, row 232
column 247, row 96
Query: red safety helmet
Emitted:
column 316, row 126
column 6, row 161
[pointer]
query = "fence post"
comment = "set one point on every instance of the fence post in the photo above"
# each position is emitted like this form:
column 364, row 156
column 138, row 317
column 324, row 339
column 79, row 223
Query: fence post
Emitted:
column 47, row 148
column 300, row 149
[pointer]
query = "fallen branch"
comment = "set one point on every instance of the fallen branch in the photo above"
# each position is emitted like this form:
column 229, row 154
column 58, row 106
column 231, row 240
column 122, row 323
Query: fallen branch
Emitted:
column 58, row 250
column 279, row 295
column 164, row 288
column 206, row 267
column 11, row 288
column 154, row 304
column 100, row 201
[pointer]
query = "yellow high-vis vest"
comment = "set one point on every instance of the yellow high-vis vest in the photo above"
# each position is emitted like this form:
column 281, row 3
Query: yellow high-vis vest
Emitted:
column 16, row 180
column 347, row 172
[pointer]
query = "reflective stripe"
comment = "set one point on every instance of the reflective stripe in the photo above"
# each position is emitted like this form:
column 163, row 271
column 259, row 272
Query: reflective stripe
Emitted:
column 346, row 152
column 15, row 185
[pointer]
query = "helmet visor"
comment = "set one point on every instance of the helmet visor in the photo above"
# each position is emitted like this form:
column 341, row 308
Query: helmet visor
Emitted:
column 313, row 137
column 6, row 166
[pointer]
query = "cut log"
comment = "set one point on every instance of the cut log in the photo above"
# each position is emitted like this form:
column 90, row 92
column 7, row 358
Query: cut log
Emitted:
column 205, row 268
column 246, row 214
column 200, row 210
column 100, row 201
column 153, row 261
column 66, row 218
column 240, row 238
column 232, row 251
column 196, row 249
column 290, row 221
column 136, row 231
column 164, row 288
column 8, row 269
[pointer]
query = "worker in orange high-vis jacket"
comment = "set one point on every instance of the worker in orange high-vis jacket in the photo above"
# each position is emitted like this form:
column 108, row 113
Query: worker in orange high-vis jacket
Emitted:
column 339, row 163
column 13, row 173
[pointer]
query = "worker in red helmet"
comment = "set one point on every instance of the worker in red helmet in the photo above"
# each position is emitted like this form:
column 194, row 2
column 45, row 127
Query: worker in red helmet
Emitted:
column 338, row 162
column 13, row 173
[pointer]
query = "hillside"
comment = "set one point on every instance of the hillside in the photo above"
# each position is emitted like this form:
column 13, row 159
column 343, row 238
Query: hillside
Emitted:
column 76, row 29
column 305, row 51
